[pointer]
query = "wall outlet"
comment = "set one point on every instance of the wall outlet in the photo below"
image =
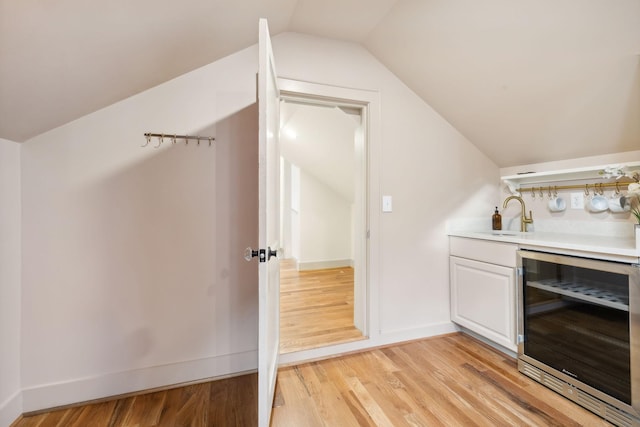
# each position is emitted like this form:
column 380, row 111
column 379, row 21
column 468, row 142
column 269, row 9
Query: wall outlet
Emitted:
column 577, row 200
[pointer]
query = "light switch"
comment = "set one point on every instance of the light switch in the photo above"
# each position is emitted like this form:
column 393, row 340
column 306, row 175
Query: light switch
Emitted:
column 386, row 204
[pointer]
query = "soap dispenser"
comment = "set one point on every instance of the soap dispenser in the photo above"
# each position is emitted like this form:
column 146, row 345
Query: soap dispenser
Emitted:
column 497, row 220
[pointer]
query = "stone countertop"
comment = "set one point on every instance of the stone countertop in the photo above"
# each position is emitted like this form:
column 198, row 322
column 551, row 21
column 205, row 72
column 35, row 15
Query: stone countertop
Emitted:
column 614, row 248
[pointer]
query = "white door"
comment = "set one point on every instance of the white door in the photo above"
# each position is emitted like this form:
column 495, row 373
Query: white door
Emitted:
column 269, row 224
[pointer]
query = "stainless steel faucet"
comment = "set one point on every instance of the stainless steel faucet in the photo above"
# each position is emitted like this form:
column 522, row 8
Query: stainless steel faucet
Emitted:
column 523, row 216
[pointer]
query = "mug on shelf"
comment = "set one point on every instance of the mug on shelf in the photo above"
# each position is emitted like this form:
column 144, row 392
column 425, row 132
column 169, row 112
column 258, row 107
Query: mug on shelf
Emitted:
column 557, row 204
column 619, row 203
column 598, row 204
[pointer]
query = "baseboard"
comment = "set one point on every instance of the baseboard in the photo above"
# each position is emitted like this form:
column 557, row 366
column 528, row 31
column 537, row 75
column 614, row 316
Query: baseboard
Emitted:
column 500, row 348
column 322, row 265
column 46, row 396
column 392, row 336
column 11, row 409
column 373, row 342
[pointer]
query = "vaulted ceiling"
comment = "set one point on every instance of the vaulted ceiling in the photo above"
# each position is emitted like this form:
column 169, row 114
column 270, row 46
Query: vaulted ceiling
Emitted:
column 526, row 81
column 320, row 141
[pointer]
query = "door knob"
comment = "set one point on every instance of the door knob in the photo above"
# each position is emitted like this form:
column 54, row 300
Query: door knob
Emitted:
column 264, row 255
column 250, row 253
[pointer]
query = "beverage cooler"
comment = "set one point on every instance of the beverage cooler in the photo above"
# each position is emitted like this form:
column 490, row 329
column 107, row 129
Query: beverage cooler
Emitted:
column 579, row 331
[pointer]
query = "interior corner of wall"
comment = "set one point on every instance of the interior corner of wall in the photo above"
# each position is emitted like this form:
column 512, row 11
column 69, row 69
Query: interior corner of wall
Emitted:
column 11, row 409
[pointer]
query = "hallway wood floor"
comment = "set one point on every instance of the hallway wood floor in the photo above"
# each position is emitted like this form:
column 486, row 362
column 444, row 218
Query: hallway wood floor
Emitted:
column 316, row 307
column 451, row 380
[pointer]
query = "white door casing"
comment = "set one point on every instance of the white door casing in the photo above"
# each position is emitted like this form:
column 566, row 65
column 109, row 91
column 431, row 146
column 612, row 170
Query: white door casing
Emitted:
column 367, row 173
column 356, row 100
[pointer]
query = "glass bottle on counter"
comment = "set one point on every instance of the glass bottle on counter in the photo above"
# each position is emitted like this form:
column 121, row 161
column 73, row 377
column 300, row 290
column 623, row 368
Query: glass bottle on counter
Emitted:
column 497, row 220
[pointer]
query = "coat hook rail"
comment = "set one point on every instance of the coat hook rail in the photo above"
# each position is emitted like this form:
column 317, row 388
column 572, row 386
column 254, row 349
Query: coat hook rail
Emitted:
column 173, row 137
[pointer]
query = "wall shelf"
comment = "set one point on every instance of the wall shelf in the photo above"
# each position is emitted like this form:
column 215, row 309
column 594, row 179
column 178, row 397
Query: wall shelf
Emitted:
column 596, row 174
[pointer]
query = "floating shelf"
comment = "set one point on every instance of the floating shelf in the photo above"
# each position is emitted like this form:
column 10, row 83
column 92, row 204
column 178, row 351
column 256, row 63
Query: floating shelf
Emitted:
column 594, row 173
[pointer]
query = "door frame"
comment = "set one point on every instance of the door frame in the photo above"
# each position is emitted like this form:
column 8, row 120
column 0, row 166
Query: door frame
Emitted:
column 367, row 205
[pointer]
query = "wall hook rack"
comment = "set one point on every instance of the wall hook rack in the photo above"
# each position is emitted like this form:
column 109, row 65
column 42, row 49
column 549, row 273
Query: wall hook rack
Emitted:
column 174, row 137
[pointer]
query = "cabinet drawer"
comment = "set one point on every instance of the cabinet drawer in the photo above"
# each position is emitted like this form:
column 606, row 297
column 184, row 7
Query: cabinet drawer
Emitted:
column 484, row 250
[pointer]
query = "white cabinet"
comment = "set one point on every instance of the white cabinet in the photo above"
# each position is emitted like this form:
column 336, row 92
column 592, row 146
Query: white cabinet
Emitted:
column 483, row 288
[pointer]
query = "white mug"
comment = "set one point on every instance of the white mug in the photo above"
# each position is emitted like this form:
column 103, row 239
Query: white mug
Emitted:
column 557, row 204
column 619, row 204
column 598, row 204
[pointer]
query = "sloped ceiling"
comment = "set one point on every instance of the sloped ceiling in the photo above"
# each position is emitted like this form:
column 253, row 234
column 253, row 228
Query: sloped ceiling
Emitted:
column 320, row 140
column 525, row 81
column 528, row 81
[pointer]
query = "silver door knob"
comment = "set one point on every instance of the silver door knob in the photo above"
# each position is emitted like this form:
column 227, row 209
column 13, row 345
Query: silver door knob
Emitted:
column 250, row 253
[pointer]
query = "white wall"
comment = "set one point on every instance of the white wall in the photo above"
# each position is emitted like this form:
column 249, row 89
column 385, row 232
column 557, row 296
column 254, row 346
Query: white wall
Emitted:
column 431, row 170
column 322, row 147
column 10, row 396
column 290, row 209
column 325, row 226
column 133, row 271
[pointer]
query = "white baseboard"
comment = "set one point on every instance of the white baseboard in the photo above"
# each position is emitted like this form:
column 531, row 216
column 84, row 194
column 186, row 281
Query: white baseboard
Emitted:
column 382, row 339
column 427, row 331
column 47, row 396
column 11, row 409
column 321, row 265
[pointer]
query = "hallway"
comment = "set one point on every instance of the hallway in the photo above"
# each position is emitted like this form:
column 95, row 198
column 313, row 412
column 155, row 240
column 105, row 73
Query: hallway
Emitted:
column 316, row 307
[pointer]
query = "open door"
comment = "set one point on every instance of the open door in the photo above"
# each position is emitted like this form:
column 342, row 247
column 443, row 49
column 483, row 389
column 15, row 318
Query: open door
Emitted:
column 269, row 228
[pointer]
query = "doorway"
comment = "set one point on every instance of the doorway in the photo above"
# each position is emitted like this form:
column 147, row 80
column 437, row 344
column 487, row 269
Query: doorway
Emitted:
column 323, row 223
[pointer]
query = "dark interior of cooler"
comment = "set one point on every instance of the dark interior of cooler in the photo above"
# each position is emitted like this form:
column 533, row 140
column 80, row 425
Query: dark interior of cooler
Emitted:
column 576, row 320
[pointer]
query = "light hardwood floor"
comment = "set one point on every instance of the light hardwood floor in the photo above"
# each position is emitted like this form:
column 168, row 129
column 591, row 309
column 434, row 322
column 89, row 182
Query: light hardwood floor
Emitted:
column 228, row 402
column 316, row 307
column 445, row 381
column 451, row 380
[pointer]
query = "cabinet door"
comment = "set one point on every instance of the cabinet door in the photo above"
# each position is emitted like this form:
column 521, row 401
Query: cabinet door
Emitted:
column 483, row 299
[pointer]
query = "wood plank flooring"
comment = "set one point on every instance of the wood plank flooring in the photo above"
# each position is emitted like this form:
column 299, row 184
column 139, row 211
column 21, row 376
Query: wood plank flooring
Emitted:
column 445, row 381
column 451, row 380
column 227, row 402
column 316, row 307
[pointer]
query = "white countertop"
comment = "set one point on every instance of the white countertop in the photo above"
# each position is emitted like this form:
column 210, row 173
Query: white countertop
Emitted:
column 614, row 248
